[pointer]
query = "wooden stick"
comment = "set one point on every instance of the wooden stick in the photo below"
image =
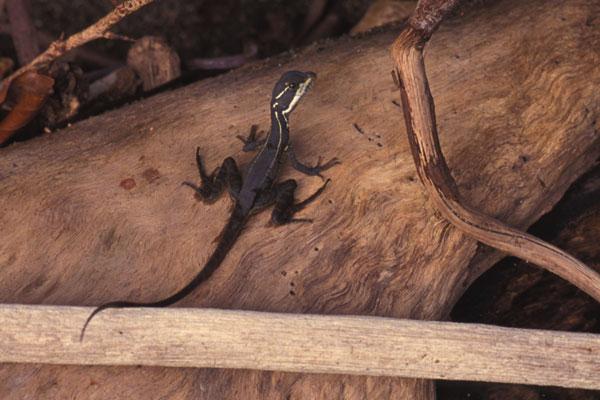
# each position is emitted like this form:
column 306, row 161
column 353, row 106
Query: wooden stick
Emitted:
column 419, row 116
column 212, row 338
column 95, row 31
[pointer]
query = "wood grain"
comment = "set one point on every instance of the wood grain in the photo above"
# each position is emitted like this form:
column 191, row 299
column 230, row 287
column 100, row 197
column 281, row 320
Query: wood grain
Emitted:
column 96, row 212
column 300, row 343
column 509, row 294
column 419, row 115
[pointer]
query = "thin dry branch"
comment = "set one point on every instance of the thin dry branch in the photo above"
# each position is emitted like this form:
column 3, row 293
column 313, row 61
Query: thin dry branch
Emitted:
column 419, row 115
column 300, row 343
column 225, row 62
column 429, row 14
column 95, row 31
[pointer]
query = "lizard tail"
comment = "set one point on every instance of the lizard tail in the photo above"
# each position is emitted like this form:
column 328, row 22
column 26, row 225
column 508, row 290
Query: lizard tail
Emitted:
column 227, row 237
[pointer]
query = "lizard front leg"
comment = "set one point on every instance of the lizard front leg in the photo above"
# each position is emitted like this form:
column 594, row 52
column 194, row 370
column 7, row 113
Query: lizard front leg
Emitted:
column 251, row 143
column 308, row 170
column 285, row 207
column 211, row 186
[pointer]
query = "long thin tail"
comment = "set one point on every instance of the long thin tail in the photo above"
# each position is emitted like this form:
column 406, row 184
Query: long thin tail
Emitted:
column 227, row 238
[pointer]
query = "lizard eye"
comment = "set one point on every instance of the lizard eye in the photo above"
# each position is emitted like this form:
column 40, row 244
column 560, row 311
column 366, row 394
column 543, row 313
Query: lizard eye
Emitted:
column 292, row 85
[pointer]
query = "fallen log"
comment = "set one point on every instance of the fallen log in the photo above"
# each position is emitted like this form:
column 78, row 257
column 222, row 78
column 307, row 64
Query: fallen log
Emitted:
column 96, row 212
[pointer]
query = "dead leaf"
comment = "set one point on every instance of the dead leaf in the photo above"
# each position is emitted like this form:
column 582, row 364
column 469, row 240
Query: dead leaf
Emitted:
column 29, row 90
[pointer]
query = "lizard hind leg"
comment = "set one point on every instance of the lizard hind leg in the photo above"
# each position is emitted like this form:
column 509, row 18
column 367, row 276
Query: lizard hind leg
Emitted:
column 211, row 186
column 285, row 206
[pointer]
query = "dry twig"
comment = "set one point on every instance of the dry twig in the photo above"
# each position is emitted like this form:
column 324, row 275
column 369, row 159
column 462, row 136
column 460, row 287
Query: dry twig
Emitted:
column 60, row 47
column 419, row 115
column 225, row 62
column 315, row 12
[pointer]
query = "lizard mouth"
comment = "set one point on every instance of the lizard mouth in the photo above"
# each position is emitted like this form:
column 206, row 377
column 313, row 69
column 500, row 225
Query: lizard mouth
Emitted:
column 309, row 84
column 304, row 87
column 311, row 76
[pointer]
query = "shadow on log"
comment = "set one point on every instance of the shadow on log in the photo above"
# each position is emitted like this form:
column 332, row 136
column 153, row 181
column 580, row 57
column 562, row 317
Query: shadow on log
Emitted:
column 515, row 294
column 96, row 213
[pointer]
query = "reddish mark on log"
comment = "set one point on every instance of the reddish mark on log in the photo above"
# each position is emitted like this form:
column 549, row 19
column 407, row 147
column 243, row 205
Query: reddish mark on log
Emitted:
column 151, row 174
column 127, row 184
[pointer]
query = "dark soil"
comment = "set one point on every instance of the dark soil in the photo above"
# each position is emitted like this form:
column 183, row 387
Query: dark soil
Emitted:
column 202, row 28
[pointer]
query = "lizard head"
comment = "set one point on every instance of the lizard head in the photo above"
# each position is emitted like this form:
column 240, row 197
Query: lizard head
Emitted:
column 289, row 90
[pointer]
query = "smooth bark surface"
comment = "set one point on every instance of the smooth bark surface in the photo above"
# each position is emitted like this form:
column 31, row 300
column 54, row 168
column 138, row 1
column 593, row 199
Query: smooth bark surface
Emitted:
column 96, row 213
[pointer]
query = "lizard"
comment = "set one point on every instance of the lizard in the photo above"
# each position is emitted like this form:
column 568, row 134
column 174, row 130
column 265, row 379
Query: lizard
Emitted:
column 255, row 191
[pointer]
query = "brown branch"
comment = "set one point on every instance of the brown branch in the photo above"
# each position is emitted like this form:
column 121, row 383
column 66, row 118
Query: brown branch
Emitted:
column 22, row 31
column 324, row 28
column 429, row 14
column 4, row 27
column 87, row 55
column 419, row 115
column 315, row 11
column 300, row 343
column 225, row 62
column 95, row 31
